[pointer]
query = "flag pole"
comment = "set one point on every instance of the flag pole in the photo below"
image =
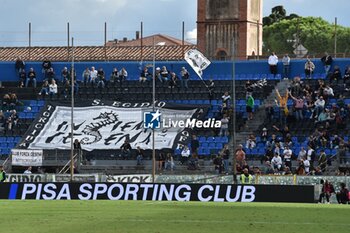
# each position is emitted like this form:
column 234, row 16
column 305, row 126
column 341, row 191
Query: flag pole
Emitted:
column 234, row 167
column 72, row 115
column 153, row 109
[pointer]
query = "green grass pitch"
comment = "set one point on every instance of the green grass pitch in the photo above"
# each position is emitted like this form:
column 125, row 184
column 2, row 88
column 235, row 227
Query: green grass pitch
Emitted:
column 179, row 217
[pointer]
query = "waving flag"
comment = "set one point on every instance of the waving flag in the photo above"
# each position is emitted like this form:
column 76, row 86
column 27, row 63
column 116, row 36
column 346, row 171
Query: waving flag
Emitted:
column 197, row 61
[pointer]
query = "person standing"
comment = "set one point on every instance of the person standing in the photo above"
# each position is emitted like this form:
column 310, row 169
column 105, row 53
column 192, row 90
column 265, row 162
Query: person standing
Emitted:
column 225, row 158
column 246, row 178
column 287, row 157
column 343, row 196
column 322, row 160
column 326, row 192
column 282, row 103
column 19, row 65
column 28, row 171
column 78, row 150
column 327, row 61
column 185, row 76
column 240, row 155
column 2, row 174
column 46, row 66
column 250, row 107
column 224, row 126
column 286, row 66
column 126, row 149
column 194, row 146
column 139, row 156
column 273, row 60
column 309, row 68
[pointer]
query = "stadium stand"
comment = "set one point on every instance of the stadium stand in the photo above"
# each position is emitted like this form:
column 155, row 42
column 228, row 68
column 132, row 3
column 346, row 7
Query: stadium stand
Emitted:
column 211, row 143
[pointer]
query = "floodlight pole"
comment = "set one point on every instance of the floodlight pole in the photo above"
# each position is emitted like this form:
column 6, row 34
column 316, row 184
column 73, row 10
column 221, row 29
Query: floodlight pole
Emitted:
column 72, row 115
column 335, row 37
column 234, row 167
column 153, row 109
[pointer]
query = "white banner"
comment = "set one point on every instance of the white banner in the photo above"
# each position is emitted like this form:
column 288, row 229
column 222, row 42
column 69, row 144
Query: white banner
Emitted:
column 197, row 61
column 27, row 157
column 138, row 178
column 105, row 127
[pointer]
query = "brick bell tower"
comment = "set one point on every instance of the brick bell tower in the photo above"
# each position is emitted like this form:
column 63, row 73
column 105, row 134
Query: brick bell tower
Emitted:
column 222, row 23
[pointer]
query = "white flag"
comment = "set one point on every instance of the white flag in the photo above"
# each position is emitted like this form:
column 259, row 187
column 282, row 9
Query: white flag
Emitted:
column 197, row 61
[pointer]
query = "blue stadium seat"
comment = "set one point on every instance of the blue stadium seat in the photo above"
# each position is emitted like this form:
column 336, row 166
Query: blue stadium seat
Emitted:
column 10, row 139
column 210, row 139
column 29, row 115
column 17, row 139
column 204, row 151
column 202, row 139
column 204, row 145
column 212, row 145
column 219, row 145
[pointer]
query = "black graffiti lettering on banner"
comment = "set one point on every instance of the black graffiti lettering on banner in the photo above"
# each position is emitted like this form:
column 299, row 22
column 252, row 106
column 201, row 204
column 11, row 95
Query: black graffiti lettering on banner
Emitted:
column 26, row 178
column 163, row 192
column 36, row 128
column 129, row 179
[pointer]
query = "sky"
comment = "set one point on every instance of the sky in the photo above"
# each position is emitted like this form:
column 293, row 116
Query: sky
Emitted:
column 123, row 17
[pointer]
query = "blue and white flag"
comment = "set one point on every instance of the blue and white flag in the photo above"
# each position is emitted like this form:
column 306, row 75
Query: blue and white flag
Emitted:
column 197, row 61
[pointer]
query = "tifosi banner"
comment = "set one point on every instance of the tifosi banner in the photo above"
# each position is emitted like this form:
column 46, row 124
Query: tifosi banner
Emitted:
column 27, row 157
column 158, row 192
column 106, row 125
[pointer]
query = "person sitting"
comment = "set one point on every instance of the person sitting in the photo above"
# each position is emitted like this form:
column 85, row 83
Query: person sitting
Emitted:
column 185, row 155
column 169, row 162
column 122, row 76
column 114, row 77
column 93, row 76
column 53, row 89
column 44, row 89
column 218, row 164
column 251, row 142
column 86, row 76
column 336, row 75
column 164, row 74
column 144, row 75
column 64, row 74
column 100, row 78
column 276, row 162
column 173, row 81
column 31, row 77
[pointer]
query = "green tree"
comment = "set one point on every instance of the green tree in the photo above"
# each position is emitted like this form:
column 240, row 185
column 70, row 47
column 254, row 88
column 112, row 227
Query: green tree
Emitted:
column 278, row 13
column 315, row 34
